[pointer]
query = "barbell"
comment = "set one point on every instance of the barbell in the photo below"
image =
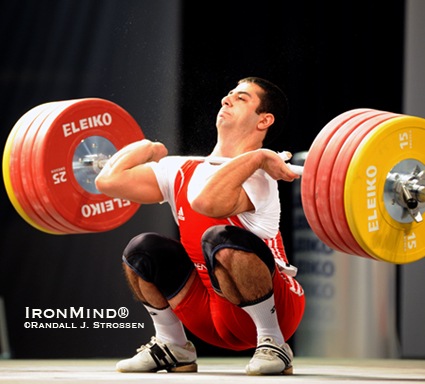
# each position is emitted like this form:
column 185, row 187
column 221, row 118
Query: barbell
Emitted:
column 362, row 185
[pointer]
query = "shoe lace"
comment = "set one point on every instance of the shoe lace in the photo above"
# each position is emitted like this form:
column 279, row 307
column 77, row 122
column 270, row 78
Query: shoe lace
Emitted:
column 148, row 345
column 264, row 351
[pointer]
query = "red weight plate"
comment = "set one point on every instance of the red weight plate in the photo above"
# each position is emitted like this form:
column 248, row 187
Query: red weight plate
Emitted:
column 337, row 183
column 15, row 165
column 12, row 173
column 28, row 162
column 323, row 177
column 55, row 146
column 308, row 181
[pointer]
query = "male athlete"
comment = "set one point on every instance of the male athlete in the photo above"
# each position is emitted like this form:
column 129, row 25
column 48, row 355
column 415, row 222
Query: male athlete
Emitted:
column 225, row 280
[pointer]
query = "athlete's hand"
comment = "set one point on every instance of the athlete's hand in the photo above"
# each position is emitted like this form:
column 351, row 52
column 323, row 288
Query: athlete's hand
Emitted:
column 158, row 151
column 137, row 153
column 275, row 166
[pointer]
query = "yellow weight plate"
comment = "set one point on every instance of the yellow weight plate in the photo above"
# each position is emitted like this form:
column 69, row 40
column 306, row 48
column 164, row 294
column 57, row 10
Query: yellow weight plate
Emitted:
column 6, row 170
column 375, row 230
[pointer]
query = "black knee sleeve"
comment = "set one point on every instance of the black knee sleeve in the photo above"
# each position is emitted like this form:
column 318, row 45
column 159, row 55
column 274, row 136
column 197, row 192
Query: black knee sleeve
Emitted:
column 228, row 236
column 159, row 260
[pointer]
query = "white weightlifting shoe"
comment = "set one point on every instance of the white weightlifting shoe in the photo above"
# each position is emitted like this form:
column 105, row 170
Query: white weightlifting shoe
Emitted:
column 270, row 358
column 156, row 356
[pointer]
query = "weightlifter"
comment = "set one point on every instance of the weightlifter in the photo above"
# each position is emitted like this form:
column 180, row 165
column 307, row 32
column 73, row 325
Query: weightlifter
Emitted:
column 225, row 280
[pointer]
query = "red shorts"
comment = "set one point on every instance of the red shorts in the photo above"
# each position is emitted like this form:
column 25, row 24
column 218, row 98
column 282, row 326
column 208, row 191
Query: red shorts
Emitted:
column 218, row 322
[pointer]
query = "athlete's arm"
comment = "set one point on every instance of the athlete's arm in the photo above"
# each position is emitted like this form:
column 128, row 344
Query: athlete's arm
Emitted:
column 223, row 196
column 126, row 175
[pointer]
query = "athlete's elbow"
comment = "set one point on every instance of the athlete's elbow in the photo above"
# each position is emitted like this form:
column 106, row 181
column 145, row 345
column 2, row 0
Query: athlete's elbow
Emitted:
column 210, row 208
column 201, row 206
column 104, row 185
column 99, row 182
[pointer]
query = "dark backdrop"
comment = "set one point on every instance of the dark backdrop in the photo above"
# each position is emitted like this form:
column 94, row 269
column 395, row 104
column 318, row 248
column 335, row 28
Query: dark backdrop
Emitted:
column 169, row 63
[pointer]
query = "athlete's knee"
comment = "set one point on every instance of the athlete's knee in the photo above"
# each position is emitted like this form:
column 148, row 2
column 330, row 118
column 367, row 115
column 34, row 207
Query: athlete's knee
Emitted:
column 224, row 255
column 159, row 260
column 220, row 242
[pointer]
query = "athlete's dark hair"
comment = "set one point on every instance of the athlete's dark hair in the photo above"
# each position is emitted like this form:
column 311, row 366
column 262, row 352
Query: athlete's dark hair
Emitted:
column 273, row 100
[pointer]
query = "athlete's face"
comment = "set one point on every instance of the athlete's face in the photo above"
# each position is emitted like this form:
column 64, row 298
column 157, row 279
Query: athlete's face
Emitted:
column 239, row 106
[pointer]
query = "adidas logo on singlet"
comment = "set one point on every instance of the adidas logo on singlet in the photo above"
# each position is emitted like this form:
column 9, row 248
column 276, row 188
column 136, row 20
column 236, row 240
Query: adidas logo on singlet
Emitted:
column 180, row 214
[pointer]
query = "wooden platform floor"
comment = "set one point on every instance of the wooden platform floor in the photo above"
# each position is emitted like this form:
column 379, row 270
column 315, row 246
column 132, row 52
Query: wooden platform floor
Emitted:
column 215, row 370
